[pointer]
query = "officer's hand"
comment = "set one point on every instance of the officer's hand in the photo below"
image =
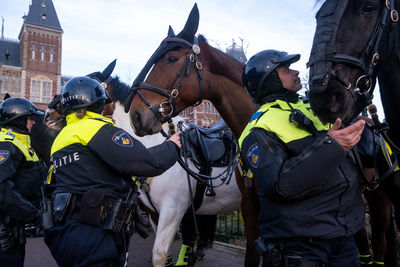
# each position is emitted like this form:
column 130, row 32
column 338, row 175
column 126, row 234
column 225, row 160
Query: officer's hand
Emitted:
column 347, row 137
column 175, row 138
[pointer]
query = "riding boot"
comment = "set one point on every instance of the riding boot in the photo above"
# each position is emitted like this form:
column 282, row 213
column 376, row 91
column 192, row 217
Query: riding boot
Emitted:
column 185, row 256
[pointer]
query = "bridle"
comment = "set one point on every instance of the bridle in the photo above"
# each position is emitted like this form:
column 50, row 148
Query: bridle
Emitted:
column 371, row 49
column 172, row 91
column 367, row 62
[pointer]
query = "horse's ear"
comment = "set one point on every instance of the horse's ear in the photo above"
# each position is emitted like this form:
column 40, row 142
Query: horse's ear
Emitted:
column 6, row 96
column 191, row 25
column 170, row 32
column 108, row 70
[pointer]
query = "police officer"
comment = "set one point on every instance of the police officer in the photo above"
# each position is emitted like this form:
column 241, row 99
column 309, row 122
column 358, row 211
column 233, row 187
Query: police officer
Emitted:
column 20, row 178
column 93, row 164
column 305, row 171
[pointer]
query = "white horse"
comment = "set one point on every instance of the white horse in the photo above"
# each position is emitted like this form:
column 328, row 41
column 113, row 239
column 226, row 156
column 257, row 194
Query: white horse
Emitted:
column 170, row 194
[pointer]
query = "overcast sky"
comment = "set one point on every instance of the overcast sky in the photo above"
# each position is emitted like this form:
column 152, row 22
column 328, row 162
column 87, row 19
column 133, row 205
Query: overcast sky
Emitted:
column 96, row 32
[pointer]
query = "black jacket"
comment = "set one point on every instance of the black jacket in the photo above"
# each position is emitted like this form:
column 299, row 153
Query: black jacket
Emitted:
column 92, row 152
column 21, row 176
column 308, row 187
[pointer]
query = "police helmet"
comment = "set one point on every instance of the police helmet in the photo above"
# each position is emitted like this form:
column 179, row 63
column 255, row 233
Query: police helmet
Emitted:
column 81, row 92
column 15, row 111
column 261, row 65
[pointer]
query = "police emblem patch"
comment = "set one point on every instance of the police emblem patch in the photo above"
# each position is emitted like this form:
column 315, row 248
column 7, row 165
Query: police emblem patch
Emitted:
column 4, row 154
column 123, row 139
column 253, row 155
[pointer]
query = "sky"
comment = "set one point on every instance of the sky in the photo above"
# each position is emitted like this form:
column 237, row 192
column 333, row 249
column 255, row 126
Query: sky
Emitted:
column 99, row 31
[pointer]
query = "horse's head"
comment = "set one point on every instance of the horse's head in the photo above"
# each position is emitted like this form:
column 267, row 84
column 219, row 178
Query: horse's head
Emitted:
column 176, row 65
column 55, row 120
column 53, row 117
column 347, row 50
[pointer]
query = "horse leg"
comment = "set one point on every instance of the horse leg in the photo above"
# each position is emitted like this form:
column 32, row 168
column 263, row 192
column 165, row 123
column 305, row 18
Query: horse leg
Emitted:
column 250, row 210
column 168, row 223
column 379, row 207
column 361, row 238
column 207, row 225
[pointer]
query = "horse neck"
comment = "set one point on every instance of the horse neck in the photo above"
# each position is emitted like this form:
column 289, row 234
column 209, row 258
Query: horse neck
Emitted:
column 118, row 90
column 224, row 89
column 389, row 86
column 233, row 104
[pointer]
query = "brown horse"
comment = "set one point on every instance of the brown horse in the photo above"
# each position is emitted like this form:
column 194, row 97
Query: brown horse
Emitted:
column 186, row 70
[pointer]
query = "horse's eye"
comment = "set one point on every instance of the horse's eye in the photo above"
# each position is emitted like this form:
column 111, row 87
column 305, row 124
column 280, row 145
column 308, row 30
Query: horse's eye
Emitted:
column 369, row 7
column 171, row 59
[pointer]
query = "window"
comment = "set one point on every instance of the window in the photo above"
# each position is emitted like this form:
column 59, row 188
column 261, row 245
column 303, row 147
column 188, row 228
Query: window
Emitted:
column 42, row 52
column 3, row 83
column 41, row 91
column 51, row 53
column 10, row 83
column 206, row 107
column 33, row 50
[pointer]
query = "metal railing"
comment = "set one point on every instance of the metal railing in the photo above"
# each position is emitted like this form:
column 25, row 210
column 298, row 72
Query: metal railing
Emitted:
column 230, row 228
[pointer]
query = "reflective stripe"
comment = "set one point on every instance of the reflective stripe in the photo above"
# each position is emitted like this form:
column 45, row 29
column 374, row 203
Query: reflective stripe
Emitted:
column 79, row 131
column 22, row 141
column 276, row 120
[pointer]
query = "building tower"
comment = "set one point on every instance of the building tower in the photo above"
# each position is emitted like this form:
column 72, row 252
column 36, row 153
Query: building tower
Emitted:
column 32, row 66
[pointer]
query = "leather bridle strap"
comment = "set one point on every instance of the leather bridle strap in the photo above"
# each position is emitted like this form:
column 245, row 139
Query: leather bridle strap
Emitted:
column 171, row 94
column 372, row 49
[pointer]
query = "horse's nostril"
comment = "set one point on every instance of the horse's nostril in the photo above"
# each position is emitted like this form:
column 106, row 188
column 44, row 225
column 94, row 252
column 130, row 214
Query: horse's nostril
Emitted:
column 137, row 118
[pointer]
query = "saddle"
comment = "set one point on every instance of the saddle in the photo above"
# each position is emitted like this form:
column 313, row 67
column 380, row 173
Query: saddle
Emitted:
column 210, row 147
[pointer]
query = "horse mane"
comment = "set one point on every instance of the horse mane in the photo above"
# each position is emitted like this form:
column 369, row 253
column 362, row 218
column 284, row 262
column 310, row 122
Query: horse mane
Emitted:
column 119, row 90
column 219, row 61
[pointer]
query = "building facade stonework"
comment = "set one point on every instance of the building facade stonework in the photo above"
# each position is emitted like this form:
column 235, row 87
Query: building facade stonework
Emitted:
column 30, row 67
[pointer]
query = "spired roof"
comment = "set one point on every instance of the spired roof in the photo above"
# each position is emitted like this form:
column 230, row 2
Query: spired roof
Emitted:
column 42, row 13
column 10, row 53
column 236, row 52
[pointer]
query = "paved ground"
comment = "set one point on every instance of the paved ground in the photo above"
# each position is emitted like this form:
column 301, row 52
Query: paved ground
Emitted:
column 37, row 254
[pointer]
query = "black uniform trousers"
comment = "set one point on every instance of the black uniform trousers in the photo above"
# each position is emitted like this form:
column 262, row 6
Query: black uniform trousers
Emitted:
column 77, row 244
column 13, row 257
column 335, row 252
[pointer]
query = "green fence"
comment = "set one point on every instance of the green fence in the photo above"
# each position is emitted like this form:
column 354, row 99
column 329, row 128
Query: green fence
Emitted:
column 230, row 228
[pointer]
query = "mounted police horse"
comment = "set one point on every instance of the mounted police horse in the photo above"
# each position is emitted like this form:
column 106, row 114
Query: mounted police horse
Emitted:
column 185, row 69
column 357, row 42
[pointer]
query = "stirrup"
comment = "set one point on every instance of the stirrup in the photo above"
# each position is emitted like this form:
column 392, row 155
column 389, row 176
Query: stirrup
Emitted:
column 184, row 254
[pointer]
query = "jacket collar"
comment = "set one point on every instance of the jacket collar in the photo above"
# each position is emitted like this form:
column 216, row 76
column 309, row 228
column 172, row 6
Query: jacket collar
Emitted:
column 24, row 138
column 71, row 118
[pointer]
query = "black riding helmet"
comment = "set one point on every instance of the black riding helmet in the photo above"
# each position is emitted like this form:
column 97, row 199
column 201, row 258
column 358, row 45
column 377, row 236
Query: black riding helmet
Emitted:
column 81, row 92
column 14, row 112
column 260, row 68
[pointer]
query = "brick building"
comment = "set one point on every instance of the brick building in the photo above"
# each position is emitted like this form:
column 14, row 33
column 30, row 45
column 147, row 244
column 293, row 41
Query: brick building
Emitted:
column 205, row 114
column 30, row 67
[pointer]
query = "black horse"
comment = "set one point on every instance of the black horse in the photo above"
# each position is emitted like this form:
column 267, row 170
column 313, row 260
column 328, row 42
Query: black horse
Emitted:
column 356, row 43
